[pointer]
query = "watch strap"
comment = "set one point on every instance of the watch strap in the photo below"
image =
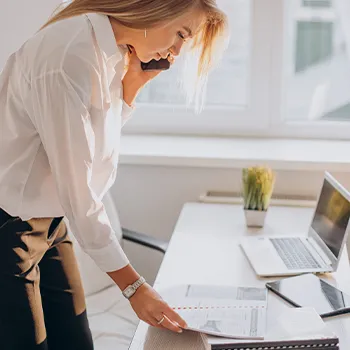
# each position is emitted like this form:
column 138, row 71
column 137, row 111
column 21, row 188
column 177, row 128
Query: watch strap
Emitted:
column 133, row 288
column 139, row 283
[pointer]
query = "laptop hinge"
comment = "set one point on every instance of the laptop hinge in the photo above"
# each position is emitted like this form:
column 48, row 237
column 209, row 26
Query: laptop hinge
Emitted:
column 319, row 251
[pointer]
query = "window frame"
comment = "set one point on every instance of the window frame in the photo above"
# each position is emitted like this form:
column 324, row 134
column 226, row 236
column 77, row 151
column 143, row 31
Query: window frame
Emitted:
column 263, row 116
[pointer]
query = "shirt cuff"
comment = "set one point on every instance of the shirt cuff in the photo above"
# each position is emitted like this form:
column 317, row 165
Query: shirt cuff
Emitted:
column 109, row 258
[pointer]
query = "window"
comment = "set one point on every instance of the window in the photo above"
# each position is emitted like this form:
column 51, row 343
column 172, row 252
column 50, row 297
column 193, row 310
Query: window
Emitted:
column 286, row 73
column 318, row 68
column 317, row 3
column 231, row 97
column 164, row 90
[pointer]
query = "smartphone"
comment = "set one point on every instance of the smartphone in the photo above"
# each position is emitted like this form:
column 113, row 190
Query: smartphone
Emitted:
column 153, row 65
column 310, row 291
column 162, row 64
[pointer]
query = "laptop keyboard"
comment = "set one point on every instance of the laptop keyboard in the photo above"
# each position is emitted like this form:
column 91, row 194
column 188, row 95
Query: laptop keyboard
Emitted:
column 294, row 253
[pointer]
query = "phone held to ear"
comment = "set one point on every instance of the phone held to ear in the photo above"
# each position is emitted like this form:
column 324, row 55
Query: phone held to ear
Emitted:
column 162, row 64
column 154, row 65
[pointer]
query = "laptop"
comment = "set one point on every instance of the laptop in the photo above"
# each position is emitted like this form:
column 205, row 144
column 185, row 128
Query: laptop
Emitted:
column 319, row 252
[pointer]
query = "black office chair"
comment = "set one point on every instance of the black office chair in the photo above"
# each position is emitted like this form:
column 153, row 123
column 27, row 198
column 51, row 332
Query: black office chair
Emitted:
column 130, row 235
column 145, row 240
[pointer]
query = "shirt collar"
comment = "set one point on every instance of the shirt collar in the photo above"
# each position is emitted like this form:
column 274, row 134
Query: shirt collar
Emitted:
column 105, row 37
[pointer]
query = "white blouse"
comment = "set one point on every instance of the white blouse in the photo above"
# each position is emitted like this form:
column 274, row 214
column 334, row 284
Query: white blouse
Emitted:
column 61, row 113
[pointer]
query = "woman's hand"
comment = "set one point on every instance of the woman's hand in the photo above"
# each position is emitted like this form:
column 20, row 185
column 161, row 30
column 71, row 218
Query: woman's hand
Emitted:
column 151, row 308
column 134, row 68
column 136, row 78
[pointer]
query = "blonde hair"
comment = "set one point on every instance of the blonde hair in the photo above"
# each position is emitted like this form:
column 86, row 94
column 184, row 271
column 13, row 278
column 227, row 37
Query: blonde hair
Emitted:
column 207, row 46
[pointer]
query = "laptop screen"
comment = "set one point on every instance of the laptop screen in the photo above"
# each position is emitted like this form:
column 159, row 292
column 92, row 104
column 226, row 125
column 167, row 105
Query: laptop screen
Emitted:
column 331, row 217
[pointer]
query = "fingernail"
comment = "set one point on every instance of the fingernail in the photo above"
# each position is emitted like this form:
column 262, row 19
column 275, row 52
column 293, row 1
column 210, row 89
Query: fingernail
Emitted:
column 179, row 331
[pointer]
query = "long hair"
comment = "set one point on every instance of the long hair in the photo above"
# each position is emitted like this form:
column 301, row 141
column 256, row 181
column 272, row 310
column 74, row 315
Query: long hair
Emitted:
column 207, row 47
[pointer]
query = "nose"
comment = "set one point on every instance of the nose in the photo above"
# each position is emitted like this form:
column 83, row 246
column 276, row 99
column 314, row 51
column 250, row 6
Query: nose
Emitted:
column 176, row 49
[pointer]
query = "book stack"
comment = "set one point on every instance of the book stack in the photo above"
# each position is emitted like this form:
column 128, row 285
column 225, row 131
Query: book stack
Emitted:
column 235, row 318
column 294, row 329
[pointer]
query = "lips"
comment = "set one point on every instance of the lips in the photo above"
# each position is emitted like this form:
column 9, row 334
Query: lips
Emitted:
column 163, row 57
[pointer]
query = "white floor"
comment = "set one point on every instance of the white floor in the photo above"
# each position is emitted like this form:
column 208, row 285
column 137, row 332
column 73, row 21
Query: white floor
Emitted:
column 112, row 320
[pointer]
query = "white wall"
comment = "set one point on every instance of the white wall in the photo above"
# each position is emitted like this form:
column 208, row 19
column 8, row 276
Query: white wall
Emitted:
column 150, row 198
column 19, row 19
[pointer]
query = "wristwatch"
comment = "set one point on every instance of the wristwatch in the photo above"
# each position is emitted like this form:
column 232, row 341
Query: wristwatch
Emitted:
column 130, row 290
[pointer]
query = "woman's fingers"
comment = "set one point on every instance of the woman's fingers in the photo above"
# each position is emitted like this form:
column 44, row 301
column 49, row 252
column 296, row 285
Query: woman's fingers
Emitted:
column 149, row 307
column 165, row 322
column 171, row 59
column 174, row 316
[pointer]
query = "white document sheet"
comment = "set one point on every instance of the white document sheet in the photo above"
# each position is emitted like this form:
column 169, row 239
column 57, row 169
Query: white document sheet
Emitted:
column 227, row 311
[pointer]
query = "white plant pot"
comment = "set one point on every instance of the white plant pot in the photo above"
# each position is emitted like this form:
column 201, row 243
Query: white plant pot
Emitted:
column 255, row 218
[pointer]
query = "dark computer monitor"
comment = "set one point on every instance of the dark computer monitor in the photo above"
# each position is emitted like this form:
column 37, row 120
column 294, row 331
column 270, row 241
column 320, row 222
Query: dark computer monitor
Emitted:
column 332, row 214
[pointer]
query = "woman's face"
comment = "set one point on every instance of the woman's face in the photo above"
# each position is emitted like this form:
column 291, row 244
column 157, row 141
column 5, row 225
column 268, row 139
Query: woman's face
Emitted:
column 168, row 37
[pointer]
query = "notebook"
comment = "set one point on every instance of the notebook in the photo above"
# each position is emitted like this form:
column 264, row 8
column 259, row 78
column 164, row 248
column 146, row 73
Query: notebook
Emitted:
column 226, row 311
column 293, row 329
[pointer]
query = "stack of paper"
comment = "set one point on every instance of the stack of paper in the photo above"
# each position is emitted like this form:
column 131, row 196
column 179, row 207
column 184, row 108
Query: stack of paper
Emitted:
column 295, row 328
column 237, row 312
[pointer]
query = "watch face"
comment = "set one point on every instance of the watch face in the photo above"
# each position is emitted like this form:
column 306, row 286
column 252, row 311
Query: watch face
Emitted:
column 129, row 291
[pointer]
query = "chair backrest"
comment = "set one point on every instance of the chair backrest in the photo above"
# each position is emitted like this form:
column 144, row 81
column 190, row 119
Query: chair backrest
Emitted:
column 94, row 280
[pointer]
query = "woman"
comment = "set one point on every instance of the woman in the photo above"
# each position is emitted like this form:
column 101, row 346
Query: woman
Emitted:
column 59, row 152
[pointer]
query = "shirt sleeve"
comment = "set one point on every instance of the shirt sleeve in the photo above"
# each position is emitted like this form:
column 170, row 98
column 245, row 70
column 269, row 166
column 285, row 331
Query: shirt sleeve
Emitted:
column 127, row 111
column 62, row 119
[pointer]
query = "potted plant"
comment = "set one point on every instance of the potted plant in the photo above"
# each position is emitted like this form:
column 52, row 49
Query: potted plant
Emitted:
column 258, row 183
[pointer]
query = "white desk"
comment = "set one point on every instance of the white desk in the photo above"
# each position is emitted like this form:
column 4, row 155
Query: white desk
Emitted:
column 204, row 249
